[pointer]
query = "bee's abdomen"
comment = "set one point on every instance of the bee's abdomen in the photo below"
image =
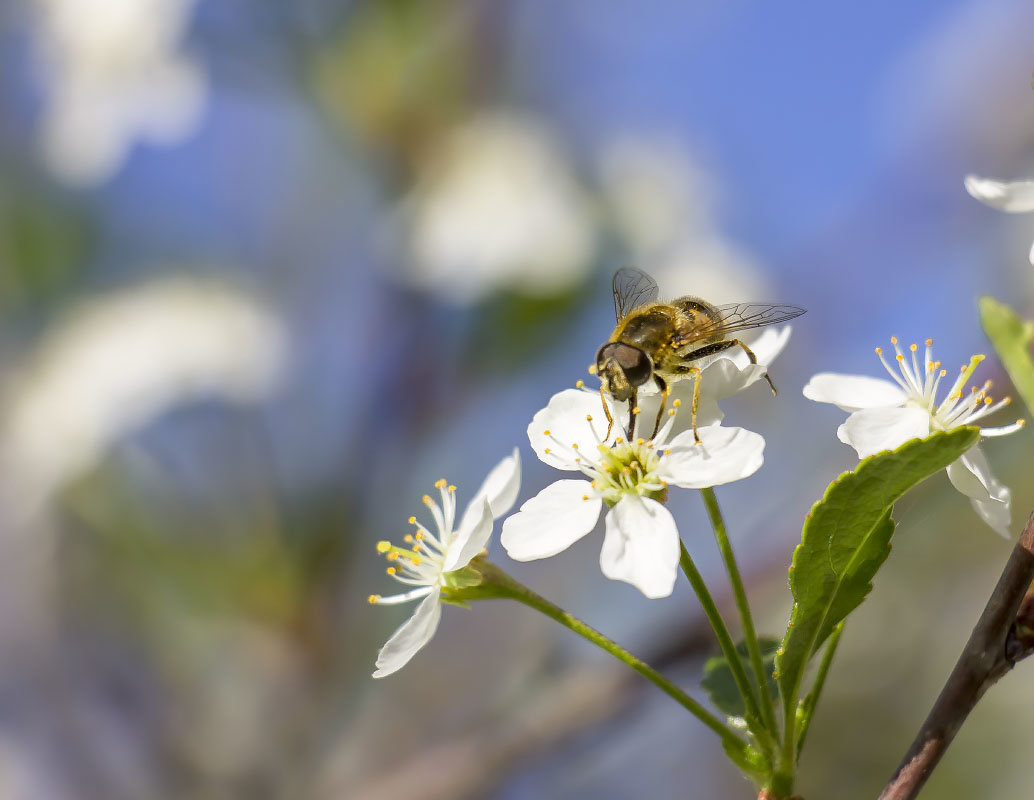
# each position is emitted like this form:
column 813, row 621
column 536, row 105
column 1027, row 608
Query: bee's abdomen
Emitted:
column 647, row 329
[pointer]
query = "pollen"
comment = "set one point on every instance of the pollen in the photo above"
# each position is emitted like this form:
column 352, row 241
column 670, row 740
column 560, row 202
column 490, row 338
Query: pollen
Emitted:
column 574, row 445
column 636, row 410
column 426, row 500
column 943, row 372
column 1006, row 400
column 547, row 432
column 913, row 347
column 383, row 546
column 588, row 417
column 373, row 598
column 592, row 369
column 391, row 570
column 893, row 339
column 419, row 536
column 1021, row 422
column 392, row 556
column 546, row 451
column 987, row 401
column 452, row 488
column 676, row 403
column 440, row 483
column 879, row 351
column 412, row 520
column 929, row 342
column 585, row 497
column 579, row 385
column 899, row 357
column 408, row 538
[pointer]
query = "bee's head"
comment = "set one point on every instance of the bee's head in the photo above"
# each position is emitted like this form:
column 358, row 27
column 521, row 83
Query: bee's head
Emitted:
column 622, row 368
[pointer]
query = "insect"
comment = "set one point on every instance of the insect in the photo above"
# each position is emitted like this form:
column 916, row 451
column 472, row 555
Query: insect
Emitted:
column 660, row 341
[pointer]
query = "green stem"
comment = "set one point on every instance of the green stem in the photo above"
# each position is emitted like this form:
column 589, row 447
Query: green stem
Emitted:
column 517, row 591
column 739, row 674
column 749, row 633
column 820, row 679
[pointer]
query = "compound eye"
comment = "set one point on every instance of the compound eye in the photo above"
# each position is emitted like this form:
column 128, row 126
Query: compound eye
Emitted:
column 632, row 361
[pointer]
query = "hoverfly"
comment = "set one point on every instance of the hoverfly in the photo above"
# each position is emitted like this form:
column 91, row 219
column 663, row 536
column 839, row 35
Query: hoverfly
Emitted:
column 662, row 340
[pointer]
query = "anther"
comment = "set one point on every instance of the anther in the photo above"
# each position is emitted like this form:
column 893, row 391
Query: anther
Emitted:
column 412, row 520
column 574, row 445
column 547, row 432
column 585, row 497
column 408, row 538
column 452, row 488
column 929, row 342
column 588, row 417
column 987, row 401
column 592, row 369
column 899, row 357
column 392, row 556
column 419, row 536
column 546, row 451
column 913, row 347
column 579, row 385
column 440, row 483
column 373, row 598
column 391, row 570
column 1006, row 400
column 893, row 339
column 636, row 410
column 943, row 372
column 383, row 546
column 640, row 441
column 676, row 403
column 879, row 351
column 1021, row 422
column 426, row 499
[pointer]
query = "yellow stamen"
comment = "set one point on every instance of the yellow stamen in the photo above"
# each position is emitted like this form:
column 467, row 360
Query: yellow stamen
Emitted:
column 391, row 570
column 373, row 598
column 893, row 339
column 452, row 489
column 676, row 403
column 640, row 441
column 383, row 546
column 392, row 556
column 588, row 417
column 579, row 385
column 879, row 351
column 412, row 520
column 929, row 342
column 585, row 497
column 440, row 483
column 547, row 432
column 636, row 410
column 899, row 357
column 592, row 370
column 912, row 347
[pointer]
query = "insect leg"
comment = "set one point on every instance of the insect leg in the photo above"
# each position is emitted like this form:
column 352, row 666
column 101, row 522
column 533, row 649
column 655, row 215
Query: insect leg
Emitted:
column 664, row 401
column 718, row 347
column 606, row 411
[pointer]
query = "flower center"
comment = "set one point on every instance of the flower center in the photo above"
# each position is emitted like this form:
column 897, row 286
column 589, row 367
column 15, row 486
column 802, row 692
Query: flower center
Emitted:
column 629, row 468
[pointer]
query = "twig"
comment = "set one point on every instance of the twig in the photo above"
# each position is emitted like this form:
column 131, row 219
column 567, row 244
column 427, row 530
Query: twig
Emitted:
column 1003, row 635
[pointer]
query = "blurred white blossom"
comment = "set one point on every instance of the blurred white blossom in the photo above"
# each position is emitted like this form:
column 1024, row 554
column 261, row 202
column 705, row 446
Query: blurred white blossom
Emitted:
column 114, row 363
column 662, row 205
column 115, row 74
column 498, row 207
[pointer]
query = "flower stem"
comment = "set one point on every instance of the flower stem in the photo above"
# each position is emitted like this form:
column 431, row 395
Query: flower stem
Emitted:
column 749, row 633
column 739, row 674
column 510, row 588
column 816, row 689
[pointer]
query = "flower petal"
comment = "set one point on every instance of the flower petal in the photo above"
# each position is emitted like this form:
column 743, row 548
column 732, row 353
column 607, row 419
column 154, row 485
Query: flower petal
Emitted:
column 411, row 635
column 1012, row 197
column 471, row 536
column 873, row 430
column 641, row 546
column 971, row 475
column 724, row 455
column 853, row 392
column 565, row 419
column 501, row 485
column 551, row 521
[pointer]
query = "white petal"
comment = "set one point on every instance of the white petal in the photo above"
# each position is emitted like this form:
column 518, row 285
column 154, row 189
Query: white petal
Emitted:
column 1032, row 254
column 471, row 536
column 853, row 392
column 873, row 430
column 641, row 546
column 501, row 486
column 771, row 343
column 971, row 475
column 724, row 455
column 565, row 419
column 411, row 635
column 551, row 521
column 1012, row 197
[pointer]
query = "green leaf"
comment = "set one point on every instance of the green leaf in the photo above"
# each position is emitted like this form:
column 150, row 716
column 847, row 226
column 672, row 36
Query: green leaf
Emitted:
column 1011, row 337
column 846, row 538
column 721, row 686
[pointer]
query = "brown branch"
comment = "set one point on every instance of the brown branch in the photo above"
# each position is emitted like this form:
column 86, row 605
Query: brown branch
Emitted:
column 1003, row 635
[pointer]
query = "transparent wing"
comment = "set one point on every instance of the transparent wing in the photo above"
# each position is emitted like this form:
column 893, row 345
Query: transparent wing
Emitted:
column 740, row 317
column 632, row 288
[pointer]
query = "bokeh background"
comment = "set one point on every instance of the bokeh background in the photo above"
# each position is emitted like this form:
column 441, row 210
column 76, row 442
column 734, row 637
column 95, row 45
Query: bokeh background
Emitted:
column 269, row 269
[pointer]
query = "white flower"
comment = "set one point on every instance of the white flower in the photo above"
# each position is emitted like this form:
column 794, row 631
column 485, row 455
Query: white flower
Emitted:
column 499, row 207
column 641, row 542
column 887, row 414
column 1015, row 197
column 431, row 562
column 115, row 75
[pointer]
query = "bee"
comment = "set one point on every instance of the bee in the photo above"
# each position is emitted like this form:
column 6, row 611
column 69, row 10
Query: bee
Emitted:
column 660, row 341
